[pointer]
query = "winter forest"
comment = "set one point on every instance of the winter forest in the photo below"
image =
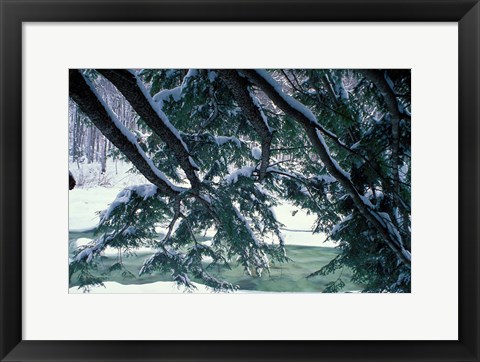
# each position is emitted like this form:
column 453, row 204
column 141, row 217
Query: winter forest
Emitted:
column 239, row 180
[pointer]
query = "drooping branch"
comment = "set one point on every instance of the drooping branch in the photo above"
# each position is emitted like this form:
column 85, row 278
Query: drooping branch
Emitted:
column 136, row 94
column 377, row 77
column 389, row 97
column 239, row 88
column 306, row 118
column 93, row 106
column 370, row 163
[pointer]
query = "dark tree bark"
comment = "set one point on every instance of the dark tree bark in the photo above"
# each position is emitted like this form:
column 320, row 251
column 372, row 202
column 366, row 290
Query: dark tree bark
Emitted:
column 103, row 157
column 90, row 144
column 389, row 98
column 238, row 87
column 126, row 83
column 71, row 181
column 81, row 93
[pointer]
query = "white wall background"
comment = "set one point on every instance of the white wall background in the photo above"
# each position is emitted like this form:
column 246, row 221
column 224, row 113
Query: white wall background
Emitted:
column 429, row 312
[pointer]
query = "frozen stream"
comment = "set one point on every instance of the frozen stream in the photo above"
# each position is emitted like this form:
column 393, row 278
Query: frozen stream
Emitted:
column 308, row 251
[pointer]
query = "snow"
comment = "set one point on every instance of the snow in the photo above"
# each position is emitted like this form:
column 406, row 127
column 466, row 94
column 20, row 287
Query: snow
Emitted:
column 334, row 162
column 206, row 198
column 385, row 220
column 165, row 94
column 262, row 189
column 152, row 288
column 378, row 194
column 355, row 145
column 407, row 254
column 247, row 226
column 131, row 137
column 88, row 197
column 302, row 109
column 212, row 76
column 391, row 228
column 145, row 191
column 404, row 173
column 257, row 153
column 260, row 110
column 131, row 230
column 341, row 225
column 89, row 252
column 157, row 107
column 122, row 198
column 191, row 73
column 245, row 171
column 220, row 140
column 292, row 102
column 82, row 242
column 281, row 172
column 149, row 288
column 89, row 174
column 193, row 163
column 367, row 202
column 389, row 82
column 234, row 112
column 306, row 238
column 343, row 93
column 298, row 228
column 85, row 203
column 328, row 179
column 340, row 89
column 174, row 93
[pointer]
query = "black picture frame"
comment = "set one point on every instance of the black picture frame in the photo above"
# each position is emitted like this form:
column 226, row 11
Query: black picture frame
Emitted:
column 15, row 12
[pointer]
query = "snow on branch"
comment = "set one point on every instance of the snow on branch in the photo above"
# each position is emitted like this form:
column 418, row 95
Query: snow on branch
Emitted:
column 83, row 92
column 163, row 117
column 125, row 196
column 221, row 140
column 175, row 93
column 386, row 88
column 180, row 264
column 138, row 96
column 250, row 105
column 307, row 119
column 245, row 171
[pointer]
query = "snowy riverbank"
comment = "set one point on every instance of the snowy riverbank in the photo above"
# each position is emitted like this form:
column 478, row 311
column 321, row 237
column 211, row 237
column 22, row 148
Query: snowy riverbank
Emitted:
column 86, row 202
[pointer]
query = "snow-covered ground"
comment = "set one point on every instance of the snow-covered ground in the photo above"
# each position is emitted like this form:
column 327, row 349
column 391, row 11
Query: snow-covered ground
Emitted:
column 86, row 201
column 94, row 192
column 149, row 288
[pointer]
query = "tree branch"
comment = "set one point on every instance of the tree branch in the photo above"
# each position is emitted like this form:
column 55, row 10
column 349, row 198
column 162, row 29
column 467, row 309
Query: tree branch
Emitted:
column 92, row 105
column 377, row 77
column 309, row 122
column 143, row 104
column 239, row 88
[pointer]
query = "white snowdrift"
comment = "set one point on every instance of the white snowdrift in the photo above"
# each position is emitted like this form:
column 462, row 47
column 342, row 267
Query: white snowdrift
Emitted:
column 149, row 288
column 84, row 203
column 152, row 288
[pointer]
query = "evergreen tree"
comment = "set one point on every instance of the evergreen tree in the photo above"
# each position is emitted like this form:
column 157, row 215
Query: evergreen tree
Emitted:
column 222, row 147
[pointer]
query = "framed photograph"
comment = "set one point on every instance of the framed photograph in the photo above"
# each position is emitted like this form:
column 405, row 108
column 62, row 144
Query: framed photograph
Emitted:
column 246, row 180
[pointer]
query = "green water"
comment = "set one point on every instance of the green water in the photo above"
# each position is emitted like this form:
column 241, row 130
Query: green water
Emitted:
column 283, row 277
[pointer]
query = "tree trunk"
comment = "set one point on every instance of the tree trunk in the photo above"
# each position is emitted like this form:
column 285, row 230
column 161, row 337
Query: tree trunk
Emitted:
column 103, row 157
